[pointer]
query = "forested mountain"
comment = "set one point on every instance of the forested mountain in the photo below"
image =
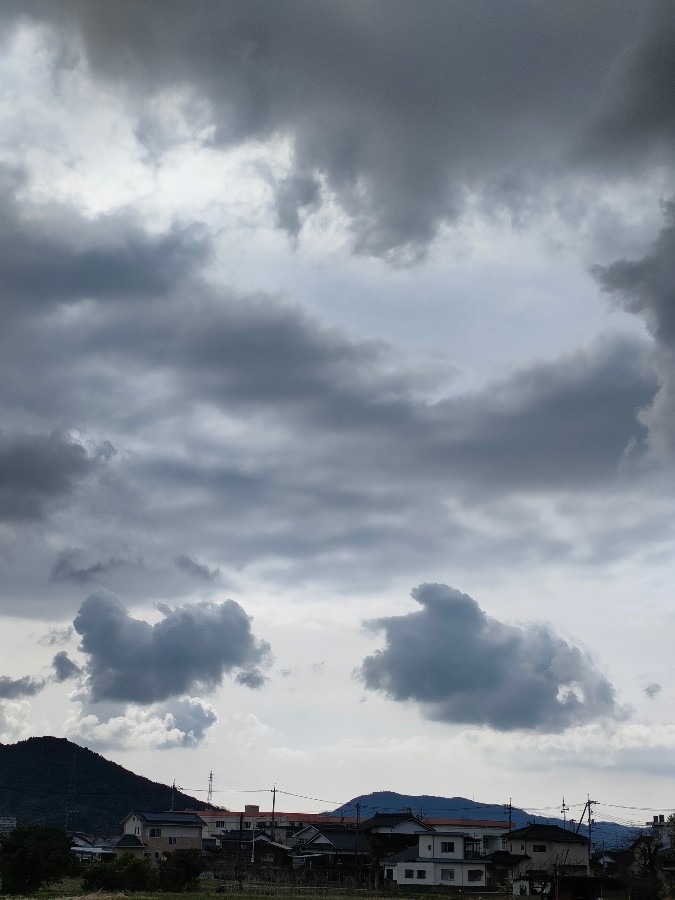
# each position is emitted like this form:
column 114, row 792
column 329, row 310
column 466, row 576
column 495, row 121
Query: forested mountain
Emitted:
column 51, row 781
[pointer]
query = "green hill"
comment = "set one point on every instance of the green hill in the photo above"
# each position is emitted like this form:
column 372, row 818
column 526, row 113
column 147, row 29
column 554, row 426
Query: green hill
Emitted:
column 51, row 781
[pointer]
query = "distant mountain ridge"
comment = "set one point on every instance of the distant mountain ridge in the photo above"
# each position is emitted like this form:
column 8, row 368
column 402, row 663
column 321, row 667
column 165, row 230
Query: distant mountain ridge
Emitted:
column 431, row 807
column 52, row 781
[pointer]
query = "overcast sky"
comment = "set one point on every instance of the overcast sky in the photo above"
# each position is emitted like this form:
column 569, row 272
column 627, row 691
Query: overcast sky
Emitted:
column 338, row 388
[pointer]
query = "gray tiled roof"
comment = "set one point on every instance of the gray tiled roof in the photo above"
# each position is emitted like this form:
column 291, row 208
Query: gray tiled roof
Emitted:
column 170, row 818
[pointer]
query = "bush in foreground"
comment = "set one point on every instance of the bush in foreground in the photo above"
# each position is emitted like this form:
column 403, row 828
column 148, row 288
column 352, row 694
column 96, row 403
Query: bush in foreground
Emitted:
column 31, row 857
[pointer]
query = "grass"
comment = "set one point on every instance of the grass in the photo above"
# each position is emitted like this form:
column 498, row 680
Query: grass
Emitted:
column 72, row 888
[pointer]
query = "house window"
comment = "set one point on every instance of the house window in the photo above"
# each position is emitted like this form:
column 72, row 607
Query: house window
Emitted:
column 539, row 848
column 447, row 846
column 172, row 840
column 428, row 846
column 247, row 824
column 155, row 832
column 474, row 875
column 220, row 823
column 408, row 873
column 421, row 873
column 390, row 875
column 447, row 874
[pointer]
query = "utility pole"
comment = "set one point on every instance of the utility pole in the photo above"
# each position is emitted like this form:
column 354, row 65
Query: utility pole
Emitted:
column 564, row 810
column 274, row 803
column 356, row 843
column 508, row 807
column 173, row 793
column 591, row 823
column 209, row 796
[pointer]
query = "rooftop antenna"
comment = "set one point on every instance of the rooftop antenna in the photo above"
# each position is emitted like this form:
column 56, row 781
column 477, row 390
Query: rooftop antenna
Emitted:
column 209, row 796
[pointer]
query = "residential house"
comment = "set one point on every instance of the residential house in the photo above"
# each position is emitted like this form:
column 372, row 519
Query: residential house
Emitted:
column 387, row 833
column 536, row 854
column 255, row 847
column 490, row 832
column 447, row 858
column 335, row 843
column 161, row 833
column 279, row 825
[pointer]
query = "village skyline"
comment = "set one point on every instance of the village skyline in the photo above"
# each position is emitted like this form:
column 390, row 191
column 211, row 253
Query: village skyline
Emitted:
column 336, row 393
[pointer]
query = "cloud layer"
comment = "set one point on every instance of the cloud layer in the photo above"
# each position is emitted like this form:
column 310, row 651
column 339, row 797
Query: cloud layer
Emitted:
column 464, row 667
column 402, row 124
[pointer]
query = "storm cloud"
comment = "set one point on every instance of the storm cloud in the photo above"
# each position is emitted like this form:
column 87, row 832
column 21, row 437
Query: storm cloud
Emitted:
column 64, row 667
column 129, row 660
column 13, row 688
column 646, row 287
column 66, row 568
column 37, row 471
column 464, row 667
column 187, row 564
column 54, row 254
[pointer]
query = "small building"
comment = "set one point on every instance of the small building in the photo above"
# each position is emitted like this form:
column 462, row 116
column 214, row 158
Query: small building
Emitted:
column 88, row 851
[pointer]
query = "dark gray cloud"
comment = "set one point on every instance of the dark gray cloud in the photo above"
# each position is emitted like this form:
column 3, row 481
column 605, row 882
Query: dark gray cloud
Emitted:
column 251, row 678
column 646, row 287
column 250, row 356
column 13, row 688
column 653, row 689
column 461, row 666
column 638, row 120
column 193, row 717
column 55, row 254
column 37, row 471
column 64, row 667
column 130, row 660
column 66, row 568
column 401, row 112
column 198, row 570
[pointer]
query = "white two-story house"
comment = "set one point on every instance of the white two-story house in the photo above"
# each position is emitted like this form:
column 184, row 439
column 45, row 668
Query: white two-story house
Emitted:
column 450, row 858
